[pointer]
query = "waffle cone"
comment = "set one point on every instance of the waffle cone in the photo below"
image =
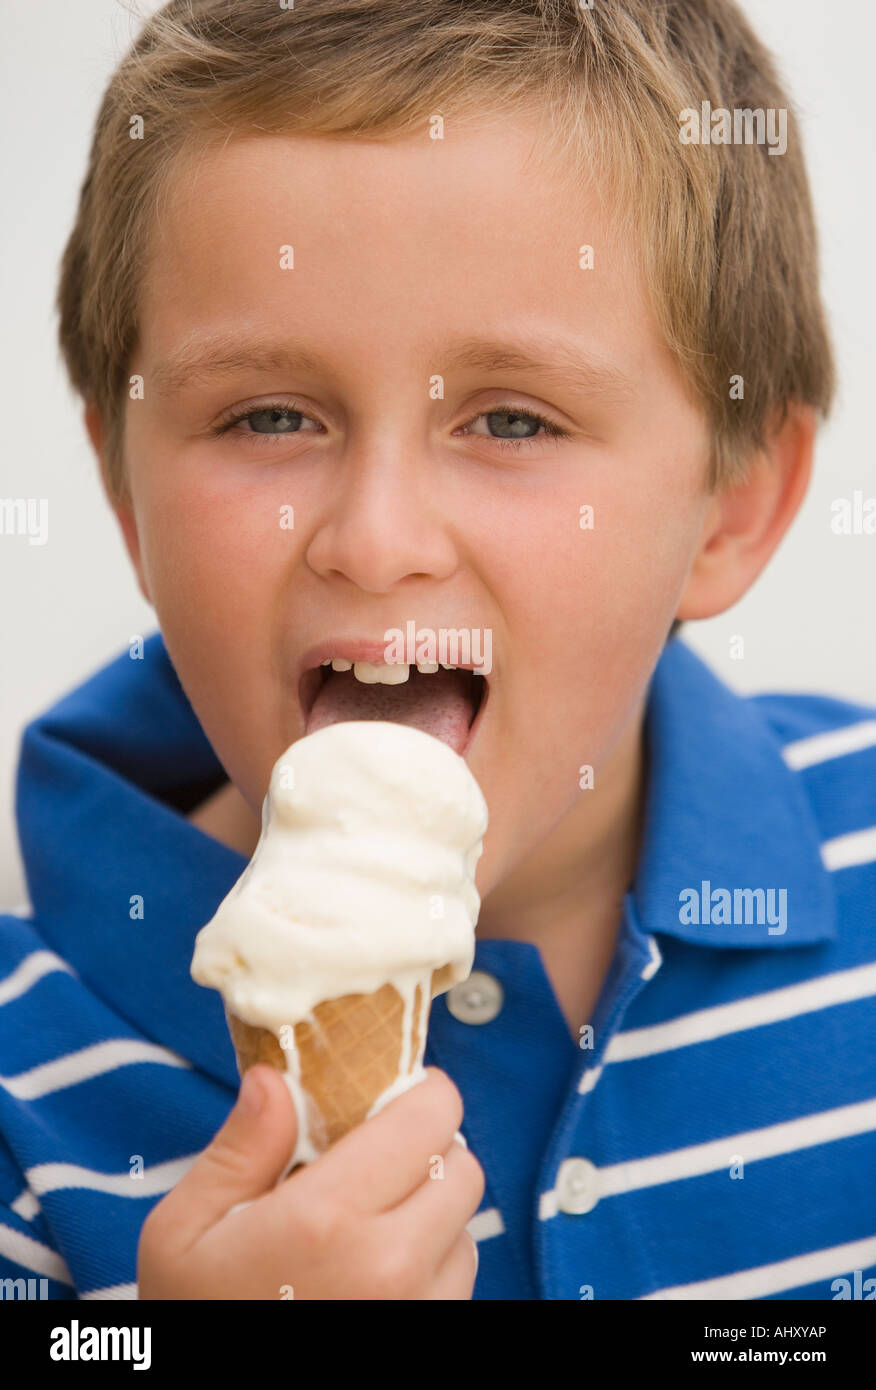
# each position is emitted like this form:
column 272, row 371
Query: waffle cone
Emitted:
column 348, row 1056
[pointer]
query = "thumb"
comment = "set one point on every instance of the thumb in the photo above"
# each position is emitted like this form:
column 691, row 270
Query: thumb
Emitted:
column 244, row 1160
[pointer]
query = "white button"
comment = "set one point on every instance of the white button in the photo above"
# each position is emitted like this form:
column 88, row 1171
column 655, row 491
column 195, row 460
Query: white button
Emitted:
column 577, row 1186
column 477, row 999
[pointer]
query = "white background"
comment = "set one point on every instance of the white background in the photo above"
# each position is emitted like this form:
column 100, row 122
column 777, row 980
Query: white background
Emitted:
column 72, row 604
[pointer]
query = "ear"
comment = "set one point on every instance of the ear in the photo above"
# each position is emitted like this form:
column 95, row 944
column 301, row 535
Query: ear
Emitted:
column 122, row 507
column 746, row 521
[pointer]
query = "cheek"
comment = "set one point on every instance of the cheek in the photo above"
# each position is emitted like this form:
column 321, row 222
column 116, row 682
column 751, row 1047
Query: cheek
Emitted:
column 603, row 541
column 210, row 550
column 633, row 563
column 587, row 607
column 215, row 560
column 567, row 580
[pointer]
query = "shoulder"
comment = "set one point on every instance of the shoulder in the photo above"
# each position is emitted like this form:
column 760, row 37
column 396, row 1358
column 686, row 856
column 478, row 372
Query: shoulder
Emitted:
column 24, row 957
column 830, row 745
column 36, row 1000
column 838, row 725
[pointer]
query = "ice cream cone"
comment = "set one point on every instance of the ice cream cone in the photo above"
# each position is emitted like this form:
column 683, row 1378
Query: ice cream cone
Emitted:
column 356, row 1048
column 363, row 876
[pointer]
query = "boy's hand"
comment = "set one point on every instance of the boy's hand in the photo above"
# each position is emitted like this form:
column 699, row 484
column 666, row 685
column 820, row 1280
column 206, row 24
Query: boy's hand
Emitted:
column 365, row 1221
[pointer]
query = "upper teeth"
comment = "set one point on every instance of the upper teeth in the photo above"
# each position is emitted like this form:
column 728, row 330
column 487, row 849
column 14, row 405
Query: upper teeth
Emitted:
column 371, row 673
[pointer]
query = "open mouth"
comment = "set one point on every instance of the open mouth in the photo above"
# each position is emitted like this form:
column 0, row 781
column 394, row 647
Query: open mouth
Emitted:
column 445, row 702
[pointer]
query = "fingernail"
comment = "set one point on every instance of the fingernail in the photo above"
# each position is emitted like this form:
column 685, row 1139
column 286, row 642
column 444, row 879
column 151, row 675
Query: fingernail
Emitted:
column 252, row 1095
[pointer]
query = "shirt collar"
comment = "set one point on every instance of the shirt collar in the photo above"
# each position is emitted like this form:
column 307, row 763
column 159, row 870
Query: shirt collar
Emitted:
column 723, row 811
column 119, row 880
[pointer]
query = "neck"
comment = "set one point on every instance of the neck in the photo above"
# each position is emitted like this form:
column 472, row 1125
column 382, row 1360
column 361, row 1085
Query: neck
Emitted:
column 226, row 816
column 575, row 880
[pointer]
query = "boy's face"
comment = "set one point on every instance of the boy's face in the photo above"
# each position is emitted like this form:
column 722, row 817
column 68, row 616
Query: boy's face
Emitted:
column 407, row 505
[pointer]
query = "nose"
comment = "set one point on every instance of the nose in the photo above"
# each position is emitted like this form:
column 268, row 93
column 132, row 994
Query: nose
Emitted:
column 384, row 522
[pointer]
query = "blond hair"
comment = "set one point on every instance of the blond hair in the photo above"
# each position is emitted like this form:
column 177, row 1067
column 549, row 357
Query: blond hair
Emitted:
column 724, row 234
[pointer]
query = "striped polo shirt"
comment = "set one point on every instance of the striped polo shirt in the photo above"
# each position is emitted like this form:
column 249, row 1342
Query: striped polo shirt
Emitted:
column 711, row 1133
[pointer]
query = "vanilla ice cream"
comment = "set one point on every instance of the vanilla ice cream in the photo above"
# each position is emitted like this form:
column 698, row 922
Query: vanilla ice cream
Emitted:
column 363, row 876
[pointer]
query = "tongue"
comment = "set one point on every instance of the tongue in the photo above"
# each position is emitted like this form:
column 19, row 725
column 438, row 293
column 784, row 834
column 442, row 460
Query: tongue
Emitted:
column 440, row 704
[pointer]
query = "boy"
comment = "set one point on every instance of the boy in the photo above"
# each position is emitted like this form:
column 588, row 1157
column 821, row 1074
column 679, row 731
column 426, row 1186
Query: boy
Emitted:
column 557, row 367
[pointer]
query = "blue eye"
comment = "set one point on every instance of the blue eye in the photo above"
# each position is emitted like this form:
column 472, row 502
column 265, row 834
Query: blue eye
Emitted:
column 289, row 420
column 276, row 420
column 263, row 417
column 519, row 423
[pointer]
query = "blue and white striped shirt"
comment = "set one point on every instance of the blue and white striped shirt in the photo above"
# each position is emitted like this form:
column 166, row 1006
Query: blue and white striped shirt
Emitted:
column 716, row 1140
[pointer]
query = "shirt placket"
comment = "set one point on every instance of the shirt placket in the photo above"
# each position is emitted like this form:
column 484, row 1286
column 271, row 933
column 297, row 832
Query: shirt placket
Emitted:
column 569, row 1179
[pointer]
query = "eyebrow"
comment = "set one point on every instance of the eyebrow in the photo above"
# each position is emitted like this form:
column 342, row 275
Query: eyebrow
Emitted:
column 558, row 361
column 219, row 355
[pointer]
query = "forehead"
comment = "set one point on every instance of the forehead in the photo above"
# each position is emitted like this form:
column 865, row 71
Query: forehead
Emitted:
column 486, row 228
